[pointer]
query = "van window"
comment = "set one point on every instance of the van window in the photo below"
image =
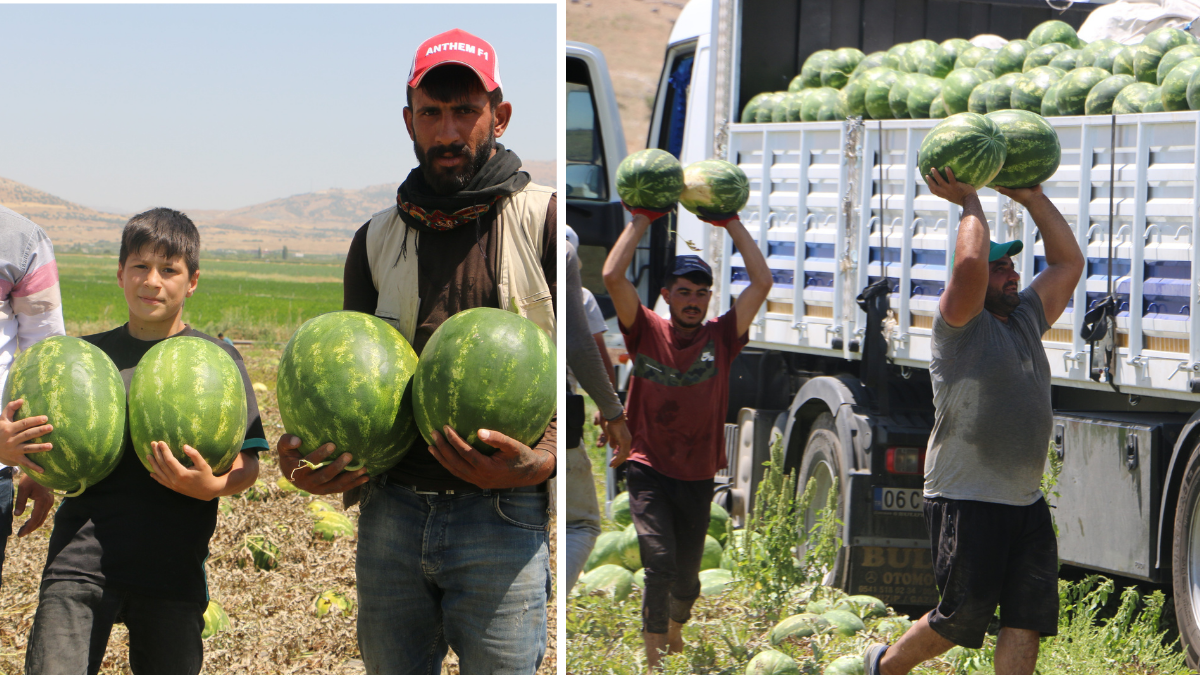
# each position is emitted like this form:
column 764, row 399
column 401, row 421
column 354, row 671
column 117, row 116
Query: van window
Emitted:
column 586, row 171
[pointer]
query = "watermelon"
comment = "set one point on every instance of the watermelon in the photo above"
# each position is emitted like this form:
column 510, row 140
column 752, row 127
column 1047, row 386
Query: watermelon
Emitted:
column 1174, row 89
column 791, row 106
column 1145, row 63
column 606, row 551
column 853, row 96
column 771, row 662
column 631, row 552
column 970, row 144
column 1029, row 90
column 876, row 99
column 611, row 580
column 918, row 52
column 188, row 390
column 620, row 510
column 796, row 84
column 831, row 110
column 1066, row 60
column 1011, row 57
column 77, row 387
column 1050, row 100
column 816, row 99
column 987, row 63
column 956, row 46
column 843, row 623
column 1043, row 55
column 977, row 102
column 1165, row 39
column 711, row 559
column 956, row 90
column 897, row 50
column 876, row 60
column 893, row 626
column 1134, row 97
column 330, row 526
column 939, row 63
column 847, row 664
column 1071, row 97
column 715, row 581
column 798, row 625
column 718, row 521
column 1032, row 149
column 263, row 551
column 215, row 620
column 651, row 179
column 714, row 187
column 780, row 112
column 865, row 606
column 921, row 96
column 836, row 71
column 1155, row 104
column 818, row 606
column 1122, row 63
column 331, row 601
column 898, row 96
column 344, row 379
column 485, row 368
column 1103, row 49
column 639, row 578
column 937, row 109
column 810, row 72
column 1175, row 57
column 1000, row 94
column 766, row 107
column 1052, row 32
column 1100, row 99
column 285, row 485
column 970, row 56
column 317, row 506
column 752, row 107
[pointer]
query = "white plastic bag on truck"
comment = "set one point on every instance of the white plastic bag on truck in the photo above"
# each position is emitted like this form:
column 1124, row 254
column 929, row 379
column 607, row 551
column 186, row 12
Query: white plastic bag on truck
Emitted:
column 1128, row 21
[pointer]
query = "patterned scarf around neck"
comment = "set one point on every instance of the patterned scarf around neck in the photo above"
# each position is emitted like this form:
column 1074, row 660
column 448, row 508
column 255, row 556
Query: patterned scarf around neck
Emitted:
column 424, row 210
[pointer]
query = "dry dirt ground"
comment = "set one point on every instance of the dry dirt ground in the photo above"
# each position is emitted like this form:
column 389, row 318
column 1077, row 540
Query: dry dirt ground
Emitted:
column 273, row 627
column 633, row 35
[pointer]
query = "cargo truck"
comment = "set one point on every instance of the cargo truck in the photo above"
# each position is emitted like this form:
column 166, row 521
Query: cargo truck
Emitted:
column 836, row 206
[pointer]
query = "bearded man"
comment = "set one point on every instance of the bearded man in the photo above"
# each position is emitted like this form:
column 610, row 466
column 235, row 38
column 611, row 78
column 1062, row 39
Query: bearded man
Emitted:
column 452, row 547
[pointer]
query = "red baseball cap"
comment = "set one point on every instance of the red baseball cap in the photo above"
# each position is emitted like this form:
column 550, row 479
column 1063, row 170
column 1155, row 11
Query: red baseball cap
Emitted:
column 456, row 46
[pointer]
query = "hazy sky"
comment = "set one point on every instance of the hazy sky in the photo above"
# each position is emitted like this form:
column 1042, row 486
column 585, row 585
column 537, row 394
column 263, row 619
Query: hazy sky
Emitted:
column 126, row 107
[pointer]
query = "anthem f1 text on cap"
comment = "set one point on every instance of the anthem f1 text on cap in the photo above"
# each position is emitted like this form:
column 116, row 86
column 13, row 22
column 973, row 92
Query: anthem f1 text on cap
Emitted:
column 456, row 46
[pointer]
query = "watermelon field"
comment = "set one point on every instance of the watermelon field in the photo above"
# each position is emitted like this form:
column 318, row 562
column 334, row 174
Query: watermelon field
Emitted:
column 773, row 618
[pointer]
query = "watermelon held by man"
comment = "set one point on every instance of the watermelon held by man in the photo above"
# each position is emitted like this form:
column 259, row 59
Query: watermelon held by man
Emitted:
column 345, row 378
column 79, row 390
column 714, row 187
column 486, row 368
column 651, row 179
column 969, row 144
column 1032, row 150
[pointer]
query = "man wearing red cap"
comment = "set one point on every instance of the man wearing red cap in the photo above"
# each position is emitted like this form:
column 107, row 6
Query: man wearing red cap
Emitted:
column 452, row 546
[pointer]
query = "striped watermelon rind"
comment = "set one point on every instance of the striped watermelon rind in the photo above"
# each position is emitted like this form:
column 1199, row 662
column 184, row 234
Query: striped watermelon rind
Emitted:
column 1174, row 89
column 751, row 108
column 1066, row 60
column 1100, row 99
column 188, row 390
column 970, row 144
column 922, row 95
column 1163, row 40
column 810, row 72
column 1050, row 100
column 1133, row 98
column 977, row 102
column 714, row 187
column 817, row 99
column 1122, row 63
column 78, row 388
column 485, row 368
column 1175, row 57
column 939, row 63
column 1052, row 32
column 1071, row 97
column 917, row 53
column 1043, row 55
column 1032, row 149
column 836, row 71
column 1145, row 63
column 345, row 378
column 1031, row 88
column 1011, row 57
column 937, row 109
column 765, row 109
column 956, row 91
column 1104, row 48
column 971, row 56
column 1000, row 93
column 956, row 46
column 652, row 178
column 898, row 95
column 876, row 99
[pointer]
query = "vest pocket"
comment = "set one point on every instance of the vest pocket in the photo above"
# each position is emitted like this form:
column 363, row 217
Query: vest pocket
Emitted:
column 393, row 321
column 537, row 307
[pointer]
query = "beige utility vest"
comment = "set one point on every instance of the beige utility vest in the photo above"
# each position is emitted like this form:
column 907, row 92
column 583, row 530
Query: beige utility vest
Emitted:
column 520, row 285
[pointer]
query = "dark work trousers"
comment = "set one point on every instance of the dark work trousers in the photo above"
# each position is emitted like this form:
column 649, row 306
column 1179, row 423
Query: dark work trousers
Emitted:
column 671, row 518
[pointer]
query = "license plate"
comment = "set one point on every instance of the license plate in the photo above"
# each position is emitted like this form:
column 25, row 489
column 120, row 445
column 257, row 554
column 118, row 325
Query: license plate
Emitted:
column 899, row 499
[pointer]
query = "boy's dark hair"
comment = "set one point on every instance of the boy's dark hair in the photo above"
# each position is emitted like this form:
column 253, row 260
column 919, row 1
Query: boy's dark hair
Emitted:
column 167, row 232
column 453, row 82
column 697, row 277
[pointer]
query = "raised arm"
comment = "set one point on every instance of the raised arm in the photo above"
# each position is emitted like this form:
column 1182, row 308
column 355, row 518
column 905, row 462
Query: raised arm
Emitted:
column 753, row 296
column 966, row 287
column 1064, row 261
column 620, row 289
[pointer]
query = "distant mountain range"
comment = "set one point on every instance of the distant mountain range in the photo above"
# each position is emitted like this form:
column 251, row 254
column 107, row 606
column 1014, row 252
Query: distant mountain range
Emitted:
column 314, row 222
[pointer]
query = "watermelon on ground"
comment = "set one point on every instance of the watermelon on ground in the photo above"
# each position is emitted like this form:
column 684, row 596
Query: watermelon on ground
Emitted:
column 762, row 114
column 1066, row 60
column 1145, row 63
column 331, row 601
column 1133, row 98
column 969, row 144
column 937, row 109
column 1030, row 89
column 847, row 664
column 1175, row 57
column 711, row 559
column 612, row 580
column 957, row 88
column 714, row 187
column 715, row 581
column 898, row 96
column 917, row 53
column 650, row 178
column 1122, row 63
column 1071, row 97
column 345, row 378
column 771, row 662
column 485, row 368
column 810, row 72
column 1165, row 39
column 1043, row 55
column 893, row 626
column 620, row 510
column 939, row 63
column 818, row 606
column 1050, row 100
column 1049, row 32
column 1174, row 89
column 752, row 106
column 921, row 96
column 718, row 520
column 263, row 551
column 799, row 625
column 317, row 506
column 844, row 623
column 865, row 606
column 1100, row 99
column 970, row 56
column 639, row 578
column 606, row 551
column 77, row 387
column 631, row 552
column 1032, row 150
column 876, row 98
column 188, row 390
column 215, row 620
column 1000, row 93
column 815, row 100
column 331, row 525
column 1011, row 57
column 836, row 71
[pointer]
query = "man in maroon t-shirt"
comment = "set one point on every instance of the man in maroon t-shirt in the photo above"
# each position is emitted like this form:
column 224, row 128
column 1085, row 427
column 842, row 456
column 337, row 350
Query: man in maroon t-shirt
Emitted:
column 678, row 395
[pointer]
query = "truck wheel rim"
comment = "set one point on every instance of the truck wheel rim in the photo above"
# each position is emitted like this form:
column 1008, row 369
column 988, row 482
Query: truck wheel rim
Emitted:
column 823, row 474
column 1193, row 561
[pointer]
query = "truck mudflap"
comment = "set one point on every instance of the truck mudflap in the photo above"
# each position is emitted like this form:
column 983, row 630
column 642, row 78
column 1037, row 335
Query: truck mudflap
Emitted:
column 898, row 571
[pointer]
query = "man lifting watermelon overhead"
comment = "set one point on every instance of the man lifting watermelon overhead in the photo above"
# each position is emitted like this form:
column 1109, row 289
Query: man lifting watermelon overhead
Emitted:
column 462, row 268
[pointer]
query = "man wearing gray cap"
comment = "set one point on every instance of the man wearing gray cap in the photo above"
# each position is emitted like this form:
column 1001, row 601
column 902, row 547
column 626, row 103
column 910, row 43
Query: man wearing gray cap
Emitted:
column 676, row 407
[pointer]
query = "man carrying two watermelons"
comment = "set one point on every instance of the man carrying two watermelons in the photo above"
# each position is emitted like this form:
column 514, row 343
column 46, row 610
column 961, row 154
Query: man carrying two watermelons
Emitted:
column 676, row 407
column 452, row 544
column 990, row 528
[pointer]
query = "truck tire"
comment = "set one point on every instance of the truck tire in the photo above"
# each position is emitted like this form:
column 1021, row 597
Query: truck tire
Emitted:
column 1185, row 561
column 822, row 462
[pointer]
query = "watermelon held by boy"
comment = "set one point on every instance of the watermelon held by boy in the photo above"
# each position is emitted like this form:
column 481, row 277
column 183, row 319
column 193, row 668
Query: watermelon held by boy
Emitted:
column 485, row 368
column 187, row 390
column 771, row 662
column 78, row 388
column 651, row 179
column 714, row 187
column 1032, row 150
column 345, row 378
column 1133, row 98
column 215, row 620
column 1100, row 99
column 969, row 144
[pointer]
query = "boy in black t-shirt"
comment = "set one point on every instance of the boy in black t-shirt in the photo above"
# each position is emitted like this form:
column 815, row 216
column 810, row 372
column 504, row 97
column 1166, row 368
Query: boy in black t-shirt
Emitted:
column 131, row 549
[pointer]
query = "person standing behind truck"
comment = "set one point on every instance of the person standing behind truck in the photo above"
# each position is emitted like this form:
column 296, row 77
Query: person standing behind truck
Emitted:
column 989, row 525
column 678, row 395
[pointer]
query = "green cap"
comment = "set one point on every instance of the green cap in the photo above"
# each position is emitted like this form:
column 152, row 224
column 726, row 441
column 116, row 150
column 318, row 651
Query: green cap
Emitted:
column 997, row 251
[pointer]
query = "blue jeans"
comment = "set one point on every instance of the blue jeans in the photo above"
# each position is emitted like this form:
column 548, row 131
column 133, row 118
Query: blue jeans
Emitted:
column 469, row 571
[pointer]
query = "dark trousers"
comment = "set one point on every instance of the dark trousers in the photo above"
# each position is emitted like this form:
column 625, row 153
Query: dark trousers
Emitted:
column 6, row 510
column 73, row 621
column 671, row 518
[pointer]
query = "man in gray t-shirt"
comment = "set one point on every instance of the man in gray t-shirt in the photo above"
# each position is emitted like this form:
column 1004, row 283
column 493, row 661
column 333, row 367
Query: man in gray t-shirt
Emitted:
column 992, row 537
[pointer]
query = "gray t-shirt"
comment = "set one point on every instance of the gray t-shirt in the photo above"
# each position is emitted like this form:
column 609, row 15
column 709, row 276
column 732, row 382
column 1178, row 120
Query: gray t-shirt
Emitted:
column 991, row 390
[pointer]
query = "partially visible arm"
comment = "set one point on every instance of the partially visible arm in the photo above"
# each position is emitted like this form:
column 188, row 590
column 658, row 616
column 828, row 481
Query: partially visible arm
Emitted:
column 242, row 475
column 966, row 287
column 608, row 364
column 582, row 354
column 621, row 289
column 753, row 296
column 358, row 288
column 36, row 298
column 1064, row 261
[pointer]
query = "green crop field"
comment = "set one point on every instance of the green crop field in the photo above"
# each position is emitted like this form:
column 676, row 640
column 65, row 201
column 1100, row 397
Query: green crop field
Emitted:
column 246, row 299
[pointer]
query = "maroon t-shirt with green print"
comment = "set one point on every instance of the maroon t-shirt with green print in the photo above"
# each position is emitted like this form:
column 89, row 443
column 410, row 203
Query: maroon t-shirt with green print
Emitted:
column 679, row 393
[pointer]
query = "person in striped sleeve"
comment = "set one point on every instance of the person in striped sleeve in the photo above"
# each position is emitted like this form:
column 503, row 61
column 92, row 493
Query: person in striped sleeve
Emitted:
column 30, row 310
